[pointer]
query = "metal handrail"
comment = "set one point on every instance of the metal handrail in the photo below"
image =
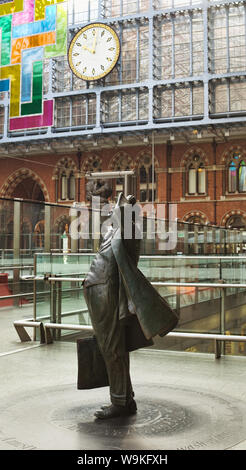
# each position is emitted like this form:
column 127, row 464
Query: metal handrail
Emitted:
column 19, row 266
column 27, row 294
column 72, row 279
column 221, row 285
column 215, row 336
column 179, row 257
column 176, row 334
column 198, row 284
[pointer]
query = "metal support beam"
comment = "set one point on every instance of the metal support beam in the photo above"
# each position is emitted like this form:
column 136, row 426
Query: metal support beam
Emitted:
column 22, row 333
column 74, row 230
column 16, row 250
column 206, row 63
column 53, row 304
column 222, row 317
column 47, row 228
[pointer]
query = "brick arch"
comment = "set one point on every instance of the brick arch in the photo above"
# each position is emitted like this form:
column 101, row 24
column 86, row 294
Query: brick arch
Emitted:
column 15, row 178
column 65, row 162
column 61, row 219
column 187, row 157
column 228, row 214
column 25, row 220
column 87, row 164
column 115, row 159
column 195, row 213
column 227, row 154
column 142, row 154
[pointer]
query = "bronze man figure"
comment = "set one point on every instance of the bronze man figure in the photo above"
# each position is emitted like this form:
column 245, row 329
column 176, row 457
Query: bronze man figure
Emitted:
column 115, row 291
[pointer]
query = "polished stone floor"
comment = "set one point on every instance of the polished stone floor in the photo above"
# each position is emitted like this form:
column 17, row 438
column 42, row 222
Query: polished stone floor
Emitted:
column 185, row 400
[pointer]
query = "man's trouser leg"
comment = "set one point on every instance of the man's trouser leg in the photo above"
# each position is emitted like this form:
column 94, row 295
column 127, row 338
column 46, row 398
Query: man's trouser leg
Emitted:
column 102, row 301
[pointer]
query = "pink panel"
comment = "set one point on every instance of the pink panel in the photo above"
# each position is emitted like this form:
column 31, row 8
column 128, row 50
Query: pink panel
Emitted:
column 29, row 122
column 25, row 16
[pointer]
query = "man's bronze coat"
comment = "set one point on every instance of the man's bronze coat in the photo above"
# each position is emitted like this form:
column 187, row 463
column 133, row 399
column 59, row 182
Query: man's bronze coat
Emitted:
column 126, row 311
column 153, row 312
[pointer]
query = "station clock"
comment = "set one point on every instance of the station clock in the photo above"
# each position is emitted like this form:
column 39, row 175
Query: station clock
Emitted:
column 94, row 51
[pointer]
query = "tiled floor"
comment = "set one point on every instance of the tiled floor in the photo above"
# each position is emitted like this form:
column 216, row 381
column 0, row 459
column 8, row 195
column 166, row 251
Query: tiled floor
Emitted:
column 185, row 401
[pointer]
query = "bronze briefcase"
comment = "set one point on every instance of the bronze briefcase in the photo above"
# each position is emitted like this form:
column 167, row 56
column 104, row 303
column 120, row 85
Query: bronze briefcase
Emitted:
column 92, row 371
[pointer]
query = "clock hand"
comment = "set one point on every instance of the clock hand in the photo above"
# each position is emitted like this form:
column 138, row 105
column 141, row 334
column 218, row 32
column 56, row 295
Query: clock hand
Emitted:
column 87, row 49
column 94, row 43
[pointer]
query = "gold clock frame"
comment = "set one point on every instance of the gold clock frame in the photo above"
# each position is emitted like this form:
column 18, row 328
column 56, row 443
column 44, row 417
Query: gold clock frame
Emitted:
column 77, row 35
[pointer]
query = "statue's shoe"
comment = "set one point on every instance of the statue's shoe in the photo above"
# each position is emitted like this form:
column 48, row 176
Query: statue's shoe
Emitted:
column 113, row 411
column 130, row 402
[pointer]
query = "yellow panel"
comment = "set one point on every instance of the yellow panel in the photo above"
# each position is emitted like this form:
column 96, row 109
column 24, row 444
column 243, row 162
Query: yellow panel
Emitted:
column 40, row 7
column 11, row 7
column 13, row 73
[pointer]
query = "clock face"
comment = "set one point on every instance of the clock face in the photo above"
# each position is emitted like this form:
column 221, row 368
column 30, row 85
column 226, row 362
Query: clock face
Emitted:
column 94, row 51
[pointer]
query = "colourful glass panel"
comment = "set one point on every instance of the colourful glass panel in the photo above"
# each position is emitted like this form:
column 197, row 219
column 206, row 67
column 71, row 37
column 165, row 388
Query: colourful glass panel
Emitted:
column 25, row 16
column 29, row 29
column 40, row 6
column 30, row 122
column 18, row 45
column 35, row 107
column 29, row 56
column 4, row 85
column 232, row 178
column 11, row 7
column 5, row 27
column 13, row 73
column 60, row 48
column 37, row 27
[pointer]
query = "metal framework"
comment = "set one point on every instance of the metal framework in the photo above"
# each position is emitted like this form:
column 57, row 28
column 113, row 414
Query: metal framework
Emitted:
column 182, row 66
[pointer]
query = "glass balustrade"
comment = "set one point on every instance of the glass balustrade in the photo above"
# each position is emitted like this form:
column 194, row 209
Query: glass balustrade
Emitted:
column 36, row 244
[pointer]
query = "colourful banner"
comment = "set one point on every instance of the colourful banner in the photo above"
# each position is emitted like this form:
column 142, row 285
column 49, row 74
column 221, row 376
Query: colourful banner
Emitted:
column 30, row 30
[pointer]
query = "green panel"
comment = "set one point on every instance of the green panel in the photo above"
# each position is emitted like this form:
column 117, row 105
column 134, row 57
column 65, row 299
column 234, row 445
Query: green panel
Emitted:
column 35, row 107
column 5, row 26
column 60, row 48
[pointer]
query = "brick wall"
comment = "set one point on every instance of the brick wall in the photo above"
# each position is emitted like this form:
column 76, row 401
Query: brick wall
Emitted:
column 172, row 160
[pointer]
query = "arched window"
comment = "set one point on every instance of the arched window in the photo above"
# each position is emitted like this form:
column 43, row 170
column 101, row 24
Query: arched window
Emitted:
column 201, row 177
column 71, row 186
column 63, row 186
column 232, row 178
column 192, row 179
column 93, row 164
column 65, row 180
column 236, row 221
column 236, row 174
column 242, row 177
column 196, row 176
column 119, row 185
column 122, row 162
column 146, row 180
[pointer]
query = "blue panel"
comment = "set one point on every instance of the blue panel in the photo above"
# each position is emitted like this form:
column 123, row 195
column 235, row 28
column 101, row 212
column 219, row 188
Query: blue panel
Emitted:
column 28, row 57
column 4, row 85
column 37, row 27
